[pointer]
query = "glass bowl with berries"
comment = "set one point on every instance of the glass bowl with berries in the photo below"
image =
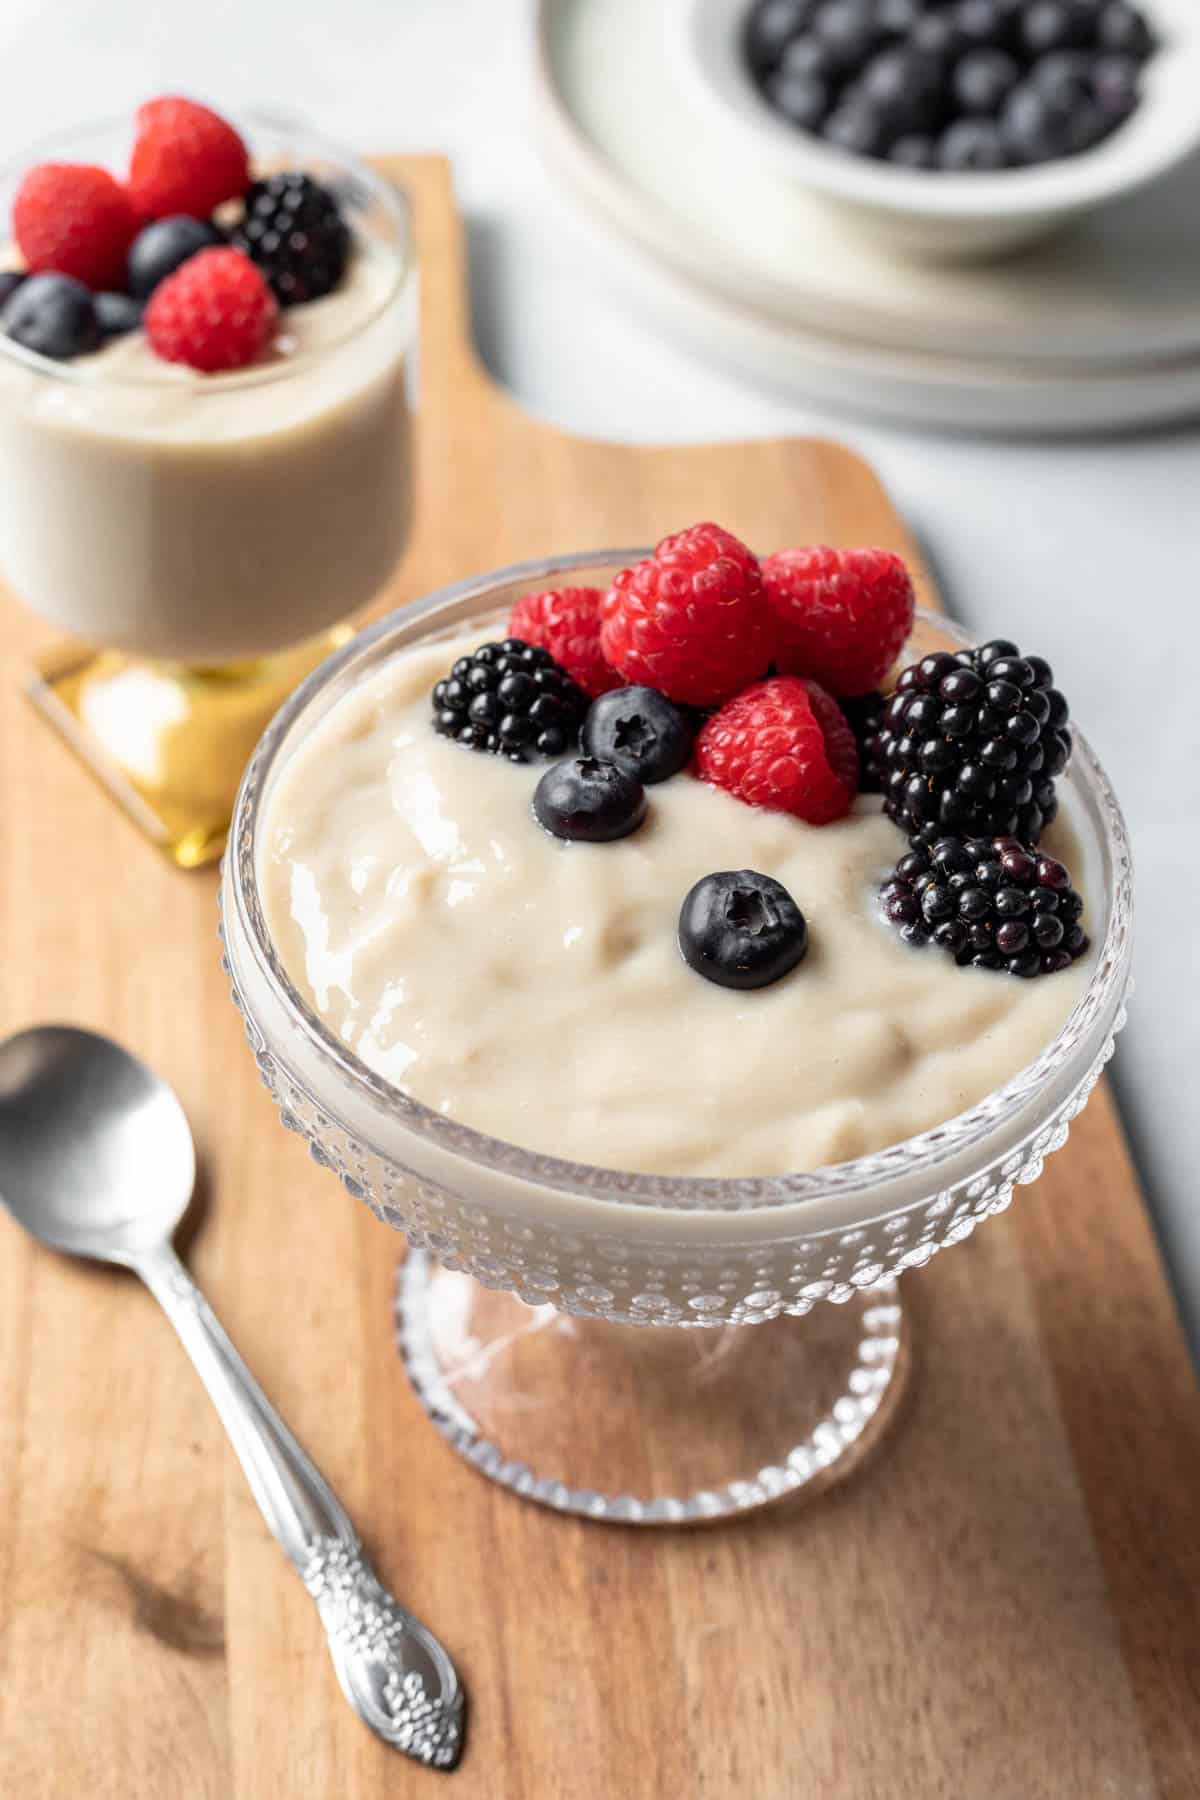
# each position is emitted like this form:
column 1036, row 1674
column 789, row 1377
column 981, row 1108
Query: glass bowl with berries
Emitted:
column 206, row 328
column 680, row 940
column 952, row 128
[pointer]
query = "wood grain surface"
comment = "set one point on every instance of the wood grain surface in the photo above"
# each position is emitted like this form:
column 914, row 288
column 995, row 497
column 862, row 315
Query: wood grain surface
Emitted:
column 1006, row 1606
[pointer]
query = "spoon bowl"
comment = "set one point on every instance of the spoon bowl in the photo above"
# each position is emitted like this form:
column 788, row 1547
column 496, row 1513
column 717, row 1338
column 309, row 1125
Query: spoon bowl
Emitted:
column 96, row 1157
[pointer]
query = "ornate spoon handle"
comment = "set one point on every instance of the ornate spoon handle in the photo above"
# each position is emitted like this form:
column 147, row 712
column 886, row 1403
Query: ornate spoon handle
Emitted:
column 393, row 1671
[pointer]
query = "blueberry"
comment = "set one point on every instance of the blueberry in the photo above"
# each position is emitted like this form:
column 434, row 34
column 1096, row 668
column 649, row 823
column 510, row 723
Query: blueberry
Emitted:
column 1114, row 82
column 1089, row 123
column 10, row 281
column 898, row 17
column 641, row 731
column 1063, row 76
column 856, row 127
column 898, row 80
column 914, row 151
column 1036, row 126
column 116, row 314
column 971, row 145
column 1122, row 27
column 939, row 38
column 53, row 315
column 158, row 251
column 983, row 81
column 848, row 30
column 802, row 99
column 990, row 24
column 809, row 56
column 590, row 800
column 771, row 27
column 741, row 929
column 1053, row 25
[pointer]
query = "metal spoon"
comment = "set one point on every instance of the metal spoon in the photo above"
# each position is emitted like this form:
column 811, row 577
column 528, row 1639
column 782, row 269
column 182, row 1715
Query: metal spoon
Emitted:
column 96, row 1159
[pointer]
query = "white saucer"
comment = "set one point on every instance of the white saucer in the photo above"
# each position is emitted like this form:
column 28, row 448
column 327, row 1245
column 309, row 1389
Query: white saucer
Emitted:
column 1098, row 329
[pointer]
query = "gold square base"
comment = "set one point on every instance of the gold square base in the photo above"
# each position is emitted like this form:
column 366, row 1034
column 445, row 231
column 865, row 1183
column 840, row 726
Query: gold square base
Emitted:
column 170, row 742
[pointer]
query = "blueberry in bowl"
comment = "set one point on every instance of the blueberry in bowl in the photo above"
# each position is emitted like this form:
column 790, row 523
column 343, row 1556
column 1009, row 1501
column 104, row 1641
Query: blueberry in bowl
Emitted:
column 983, row 78
column 953, row 128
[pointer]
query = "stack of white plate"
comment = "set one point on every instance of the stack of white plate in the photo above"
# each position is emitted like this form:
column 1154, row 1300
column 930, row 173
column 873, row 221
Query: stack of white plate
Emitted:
column 1097, row 329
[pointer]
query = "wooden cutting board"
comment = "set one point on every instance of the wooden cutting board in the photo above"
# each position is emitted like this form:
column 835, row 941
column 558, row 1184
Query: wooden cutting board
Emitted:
column 1006, row 1606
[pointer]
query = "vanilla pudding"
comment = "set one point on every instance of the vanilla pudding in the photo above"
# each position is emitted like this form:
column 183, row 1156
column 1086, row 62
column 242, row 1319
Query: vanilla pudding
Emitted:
column 533, row 989
column 205, row 518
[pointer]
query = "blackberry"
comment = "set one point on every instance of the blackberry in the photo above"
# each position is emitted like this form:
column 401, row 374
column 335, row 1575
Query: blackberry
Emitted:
column 510, row 699
column 294, row 230
column 993, row 902
column 864, row 713
column 971, row 743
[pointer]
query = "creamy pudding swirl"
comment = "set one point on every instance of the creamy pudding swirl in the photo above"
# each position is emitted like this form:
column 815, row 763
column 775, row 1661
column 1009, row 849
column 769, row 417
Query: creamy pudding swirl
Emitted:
column 531, row 985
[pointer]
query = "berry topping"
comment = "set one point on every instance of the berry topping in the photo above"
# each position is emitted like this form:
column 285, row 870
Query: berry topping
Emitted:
column 117, row 314
column 783, row 744
column 294, row 230
column 589, row 800
column 689, row 620
column 566, row 622
column 186, row 159
column 990, row 901
column 71, row 219
column 158, row 250
column 216, row 312
column 641, row 731
column 53, row 315
column 510, row 699
column 840, row 616
column 741, row 929
column 972, row 742
column 10, row 281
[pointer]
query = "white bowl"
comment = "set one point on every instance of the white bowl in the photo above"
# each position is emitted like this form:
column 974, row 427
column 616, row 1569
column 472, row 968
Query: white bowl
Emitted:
column 952, row 215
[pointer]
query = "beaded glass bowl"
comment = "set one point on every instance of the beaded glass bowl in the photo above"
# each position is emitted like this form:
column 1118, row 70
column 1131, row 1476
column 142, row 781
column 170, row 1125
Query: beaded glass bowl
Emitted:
column 525, row 1269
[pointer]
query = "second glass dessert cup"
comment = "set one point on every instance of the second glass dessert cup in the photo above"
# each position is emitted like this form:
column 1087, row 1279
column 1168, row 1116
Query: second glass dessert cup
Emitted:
column 527, row 1271
column 205, row 538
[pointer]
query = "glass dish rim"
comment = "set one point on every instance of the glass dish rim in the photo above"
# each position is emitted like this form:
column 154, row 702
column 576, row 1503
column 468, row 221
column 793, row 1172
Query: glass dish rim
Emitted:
column 394, row 202
column 954, row 1137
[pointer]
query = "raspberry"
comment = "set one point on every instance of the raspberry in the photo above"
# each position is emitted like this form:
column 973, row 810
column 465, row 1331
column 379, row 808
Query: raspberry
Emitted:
column 690, row 620
column 75, row 220
column 840, row 616
column 216, row 312
column 784, row 744
column 186, row 159
column 566, row 621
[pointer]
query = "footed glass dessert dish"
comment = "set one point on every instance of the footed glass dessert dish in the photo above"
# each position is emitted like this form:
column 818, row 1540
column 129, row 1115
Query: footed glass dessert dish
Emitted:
column 202, row 537
column 527, row 1272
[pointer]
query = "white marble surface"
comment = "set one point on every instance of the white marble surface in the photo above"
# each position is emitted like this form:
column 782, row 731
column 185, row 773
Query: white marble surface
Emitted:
column 1087, row 552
